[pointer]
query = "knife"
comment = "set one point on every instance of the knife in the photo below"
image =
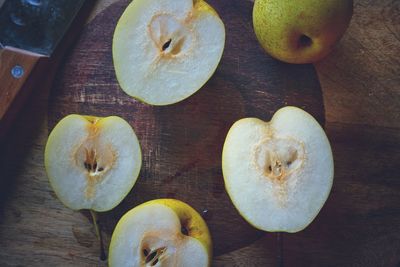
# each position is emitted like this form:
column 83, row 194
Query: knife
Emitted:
column 30, row 32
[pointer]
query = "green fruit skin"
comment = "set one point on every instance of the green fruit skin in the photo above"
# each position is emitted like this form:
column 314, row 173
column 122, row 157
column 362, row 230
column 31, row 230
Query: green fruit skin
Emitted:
column 279, row 25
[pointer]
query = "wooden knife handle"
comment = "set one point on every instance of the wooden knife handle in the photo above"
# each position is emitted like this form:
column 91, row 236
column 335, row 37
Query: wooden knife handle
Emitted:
column 15, row 67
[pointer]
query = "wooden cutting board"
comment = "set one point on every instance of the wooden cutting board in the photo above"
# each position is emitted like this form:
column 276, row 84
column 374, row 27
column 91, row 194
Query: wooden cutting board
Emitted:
column 182, row 143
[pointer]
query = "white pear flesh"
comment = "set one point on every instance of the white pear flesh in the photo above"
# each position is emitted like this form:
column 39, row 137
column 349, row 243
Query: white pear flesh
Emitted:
column 151, row 235
column 165, row 50
column 92, row 163
column 278, row 174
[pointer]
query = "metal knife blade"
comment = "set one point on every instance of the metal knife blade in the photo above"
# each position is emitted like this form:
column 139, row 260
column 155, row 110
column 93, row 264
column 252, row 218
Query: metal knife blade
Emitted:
column 34, row 34
column 36, row 25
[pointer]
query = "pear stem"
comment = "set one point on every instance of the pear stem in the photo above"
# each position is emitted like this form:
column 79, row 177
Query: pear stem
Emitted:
column 280, row 249
column 96, row 224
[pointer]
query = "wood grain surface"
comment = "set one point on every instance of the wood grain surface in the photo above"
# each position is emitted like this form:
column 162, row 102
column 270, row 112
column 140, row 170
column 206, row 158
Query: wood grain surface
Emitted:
column 182, row 143
column 359, row 225
column 361, row 78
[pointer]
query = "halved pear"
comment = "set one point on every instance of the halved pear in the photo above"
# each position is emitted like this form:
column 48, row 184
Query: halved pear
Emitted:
column 165, row 50
column 278, row 174
column 162, row 232
column 92, row 163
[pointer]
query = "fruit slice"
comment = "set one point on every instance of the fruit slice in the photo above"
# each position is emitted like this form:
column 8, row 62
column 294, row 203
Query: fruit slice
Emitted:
column 162, row 232
column 92, row 163
column 165, row 50
column 278, row 174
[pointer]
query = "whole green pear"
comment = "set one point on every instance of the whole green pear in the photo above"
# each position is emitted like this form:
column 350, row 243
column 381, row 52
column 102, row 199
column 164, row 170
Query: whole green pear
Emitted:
column 300, row 31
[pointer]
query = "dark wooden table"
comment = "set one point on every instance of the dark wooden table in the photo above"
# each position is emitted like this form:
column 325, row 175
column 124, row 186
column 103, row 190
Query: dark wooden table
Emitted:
column 360, row 224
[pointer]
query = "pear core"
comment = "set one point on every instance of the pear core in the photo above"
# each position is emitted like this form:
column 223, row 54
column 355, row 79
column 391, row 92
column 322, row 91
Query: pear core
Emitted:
column 169, row 35
column 95, row 158
column 156, row 246
column 277, row 158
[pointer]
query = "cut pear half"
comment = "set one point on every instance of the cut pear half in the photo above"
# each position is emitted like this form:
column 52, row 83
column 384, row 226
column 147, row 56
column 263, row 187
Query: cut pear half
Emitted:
column 162, row 232
column 278, row 174
column 165, row 50
column 92, row 163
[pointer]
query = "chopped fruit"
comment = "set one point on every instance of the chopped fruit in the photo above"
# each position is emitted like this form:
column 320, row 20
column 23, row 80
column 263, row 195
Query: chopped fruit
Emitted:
column 152, row 234
column 278, row 174
column 92, row 163
column 166, row 50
